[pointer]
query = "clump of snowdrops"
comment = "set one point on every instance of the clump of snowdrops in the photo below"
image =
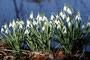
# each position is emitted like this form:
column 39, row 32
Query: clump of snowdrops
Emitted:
column 38, row 32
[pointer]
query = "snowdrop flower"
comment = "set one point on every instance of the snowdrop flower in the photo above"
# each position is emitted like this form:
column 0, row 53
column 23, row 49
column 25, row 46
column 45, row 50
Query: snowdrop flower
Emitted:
column 20, row 26
column 6, row 31
column 61, row 14
column 31, row 15
column 83, row 26
column 88, row 24
column 17, row 22
column 56, row 22
column 58, row 27
column 44, row 18
column 13, row 23
column 69, row 11
column 78, row 17
column 69, row 24
column 22, row 22
column 28, row 22
column 5, row 26
column 34, row 22
column 27, row 26
column 67, row 19
column 65, row 8
column 64, row 29
column 52, row 17
column 26, row 32
column 10, row 25
column 43, row 28
column 2, row 30
column 45, row 23
column 57, row 16
column 40, row 18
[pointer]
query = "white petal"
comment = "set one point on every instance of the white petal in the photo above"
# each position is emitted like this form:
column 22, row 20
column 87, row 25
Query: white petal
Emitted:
column 69, row 11
column 52, row 17
column 68, row 19
column 65, row 8
column 2, row 30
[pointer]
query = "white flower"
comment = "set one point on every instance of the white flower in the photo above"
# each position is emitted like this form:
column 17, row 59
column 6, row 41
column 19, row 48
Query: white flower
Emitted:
column 88, row 24
column 76, row 17
column 28, row 22
column 45, row 23
column 57, row 16
column 52, row 17
column 58, row 27
column 6, row 31
column 44, row 18
column 31, row 15
column 64, row 29
column 26, row 32
column 43, row 28
column 17, row 22
column 56, row 22
column 20, row 26
column 61, row 14
column 22, row 22
column 2, row 30
column 69, row 24
column 10, row 25
column 83, row 26
column 28, row 26
column 34, row 22
column 69, row 11
column 65, row 8
column 38, row 17
column 67, row 19
column 5, row 26
column 13, row 23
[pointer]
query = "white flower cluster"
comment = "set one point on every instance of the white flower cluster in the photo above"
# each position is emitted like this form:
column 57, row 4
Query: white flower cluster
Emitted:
column 42, row 22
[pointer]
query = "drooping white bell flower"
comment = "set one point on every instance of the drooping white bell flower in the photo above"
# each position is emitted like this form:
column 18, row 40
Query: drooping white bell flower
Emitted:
column 69, row 11
column 56, row 22
column 52, row 17
column 38, row 17
column 26, row 32
column 58, row 27
column 44, row 18
column 64, row 29
column 34, row 22
column 61, row 14
column 57, row 16
column 6, row 31
column 43, row 28
column 28, row 22
column 67, row 19
column 27, row 26
column 2, row 30
column 69, row 24
column 22, row 22
column 88, row 24
column 13, row 24
column 65, row 8
column 5, row 26
column 31, row 15
column 83, row 26
column 78, row 17
column 10, row 24
column 20, row 26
